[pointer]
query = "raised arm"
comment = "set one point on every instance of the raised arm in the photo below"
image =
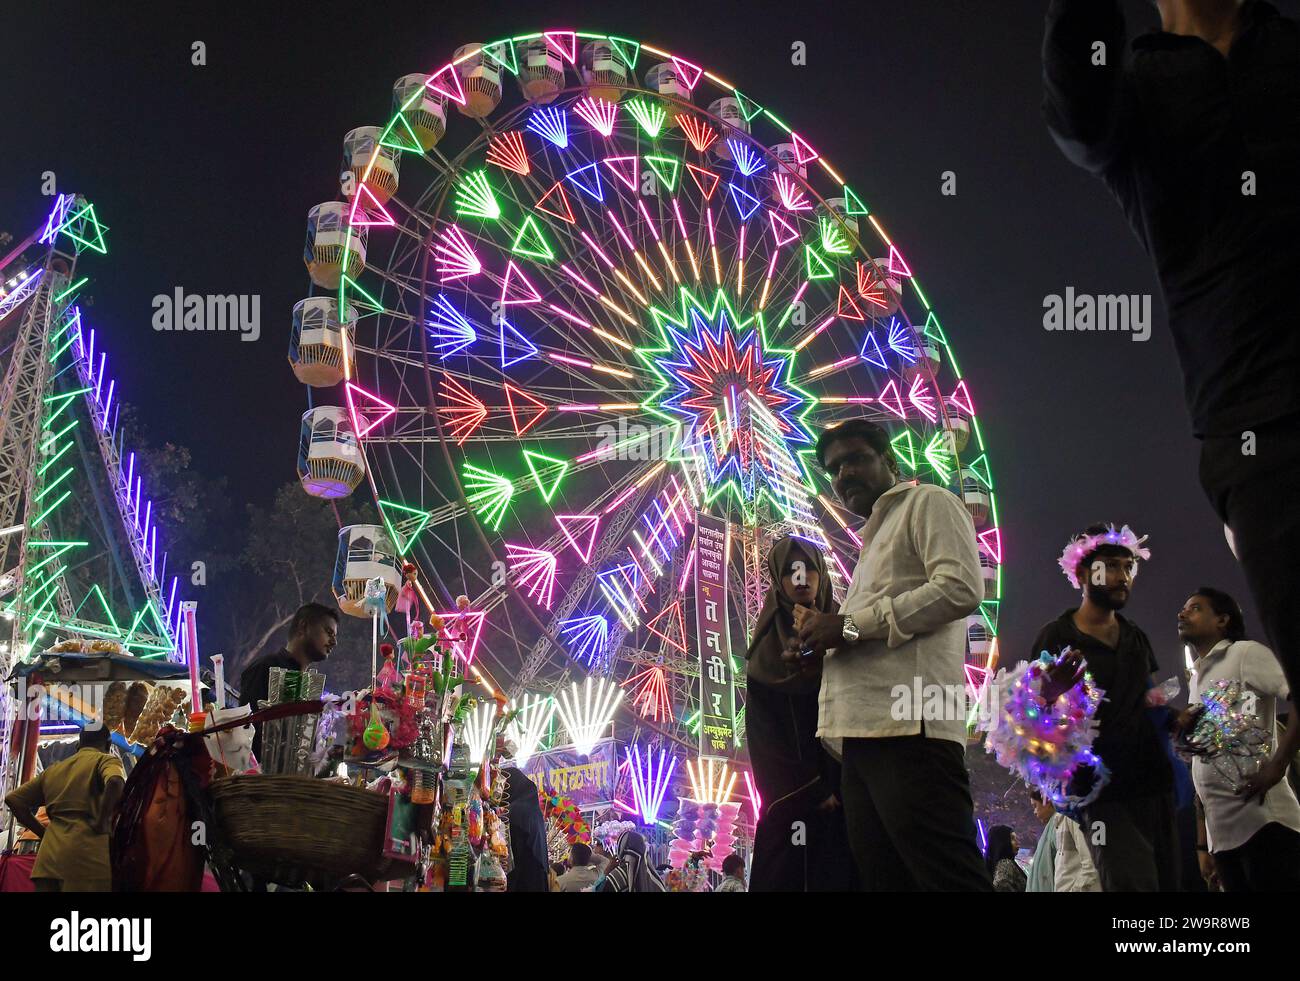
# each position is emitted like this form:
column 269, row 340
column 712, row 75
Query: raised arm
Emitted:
column 1087, row 105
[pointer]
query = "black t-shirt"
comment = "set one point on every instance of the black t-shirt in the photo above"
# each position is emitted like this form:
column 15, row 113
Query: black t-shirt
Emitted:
column 1128, row 741
column 1202, row 152
column 255, row 681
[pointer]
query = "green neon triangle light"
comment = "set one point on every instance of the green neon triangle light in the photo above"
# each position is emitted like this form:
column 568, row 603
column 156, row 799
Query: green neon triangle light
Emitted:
column 980, row 468
column 87, row 224
column 905, row 449
column 370, row 301
column 531, row 242
column 387, row 138
column 404, row 545
column 852, row 203
column 748, row 107
column 628, row 51
column 817, row 268
column 933, row 330
column 990, row 618
column 503, row 53
column 531, row 457
column 659, row 165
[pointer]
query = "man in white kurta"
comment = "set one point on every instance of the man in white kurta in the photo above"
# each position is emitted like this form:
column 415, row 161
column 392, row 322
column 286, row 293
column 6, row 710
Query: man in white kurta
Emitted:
column 893, row 681
column 1254, row 838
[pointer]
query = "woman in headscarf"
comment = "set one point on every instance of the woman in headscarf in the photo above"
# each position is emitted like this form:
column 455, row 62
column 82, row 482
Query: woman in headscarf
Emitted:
column 1000, row 858
column 631, row 871
column 798, row 781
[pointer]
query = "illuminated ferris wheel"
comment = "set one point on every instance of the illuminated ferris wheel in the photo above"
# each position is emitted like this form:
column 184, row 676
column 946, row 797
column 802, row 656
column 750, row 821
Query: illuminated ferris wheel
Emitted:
column 576, row 323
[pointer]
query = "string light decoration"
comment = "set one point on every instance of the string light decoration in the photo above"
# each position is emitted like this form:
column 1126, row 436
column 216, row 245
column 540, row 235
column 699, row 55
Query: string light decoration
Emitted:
column 650, row 780
column 712, row 780
column 532, row 719
column 479, row 727
column 586, row 709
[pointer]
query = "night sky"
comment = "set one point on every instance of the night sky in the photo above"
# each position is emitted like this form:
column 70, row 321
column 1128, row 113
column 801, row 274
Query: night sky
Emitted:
column 205, row 175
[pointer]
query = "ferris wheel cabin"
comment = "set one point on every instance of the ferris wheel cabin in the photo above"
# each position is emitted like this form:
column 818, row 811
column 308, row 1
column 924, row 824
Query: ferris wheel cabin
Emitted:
column 330, row 464
column 320, row 343
column 480, row 79
column 541, row 71
column 728, row 110
column 365, row 552
column 426, row 116
column 360, row 147
column 602, row 71
column 328, row 232
column 665, row 79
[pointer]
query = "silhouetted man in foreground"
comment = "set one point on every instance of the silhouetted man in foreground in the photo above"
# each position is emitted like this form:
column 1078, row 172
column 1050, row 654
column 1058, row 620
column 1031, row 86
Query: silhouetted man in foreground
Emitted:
column 1197, row 135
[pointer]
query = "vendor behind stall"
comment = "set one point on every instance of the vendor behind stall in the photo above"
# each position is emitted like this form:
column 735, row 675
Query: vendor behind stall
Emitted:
column 80, row 795
column 313, row 632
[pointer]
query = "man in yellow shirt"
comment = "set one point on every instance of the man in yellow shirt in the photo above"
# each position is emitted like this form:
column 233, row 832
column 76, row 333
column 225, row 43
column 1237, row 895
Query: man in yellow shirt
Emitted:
column 80, row 794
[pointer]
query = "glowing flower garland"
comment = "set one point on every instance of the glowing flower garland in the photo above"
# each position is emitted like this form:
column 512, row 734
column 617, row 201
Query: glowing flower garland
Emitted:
column 1082, row 545
column 1046, row 746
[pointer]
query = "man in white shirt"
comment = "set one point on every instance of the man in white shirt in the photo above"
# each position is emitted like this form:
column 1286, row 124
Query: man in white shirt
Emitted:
column 1074, row 869
column 1252, row 824
column 582, row 875
column 901, row 629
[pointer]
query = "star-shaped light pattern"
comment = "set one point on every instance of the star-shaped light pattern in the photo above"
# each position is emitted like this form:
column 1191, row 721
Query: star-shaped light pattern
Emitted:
column 740, row 415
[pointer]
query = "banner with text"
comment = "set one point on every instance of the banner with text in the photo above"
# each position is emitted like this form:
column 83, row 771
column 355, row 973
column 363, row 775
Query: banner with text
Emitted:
column 717, row 685
column 588, row 780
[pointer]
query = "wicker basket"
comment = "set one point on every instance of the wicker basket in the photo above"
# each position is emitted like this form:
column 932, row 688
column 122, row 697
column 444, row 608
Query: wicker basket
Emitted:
column 294, row 830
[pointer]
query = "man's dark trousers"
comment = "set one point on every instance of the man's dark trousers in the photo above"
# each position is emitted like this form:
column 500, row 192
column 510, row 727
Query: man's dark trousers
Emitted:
column 1254, row 494
column 909, row 814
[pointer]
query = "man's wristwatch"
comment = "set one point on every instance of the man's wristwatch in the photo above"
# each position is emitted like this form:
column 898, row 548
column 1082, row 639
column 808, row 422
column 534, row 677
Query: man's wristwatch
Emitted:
column 851, row 632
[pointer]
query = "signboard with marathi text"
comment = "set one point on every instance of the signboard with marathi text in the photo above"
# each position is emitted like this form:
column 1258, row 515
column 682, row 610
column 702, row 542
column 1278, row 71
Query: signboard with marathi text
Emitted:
column 588, row 780
column 717, row 683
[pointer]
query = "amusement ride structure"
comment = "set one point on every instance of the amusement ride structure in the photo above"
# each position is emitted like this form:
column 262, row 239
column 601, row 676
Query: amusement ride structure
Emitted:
column 576, row 320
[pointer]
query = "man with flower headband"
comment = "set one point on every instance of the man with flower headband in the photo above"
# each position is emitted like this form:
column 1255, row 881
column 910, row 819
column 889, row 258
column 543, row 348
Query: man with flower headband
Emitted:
column 1130, row 826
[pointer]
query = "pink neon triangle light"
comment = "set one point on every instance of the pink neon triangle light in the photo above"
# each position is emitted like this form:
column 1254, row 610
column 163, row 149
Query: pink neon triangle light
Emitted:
column 357, row 416
column 992, row 541
column 690, row 74
column 623, row 174
column 374, row 205
column 802, row 151
column 565, row 44
column 897, row 264
column 451, row 623
column 523, row 293
column 563, row 519
column 790, row 234
column 960, row 397
column 976, row 677
column 455, row 93
column 891, row 391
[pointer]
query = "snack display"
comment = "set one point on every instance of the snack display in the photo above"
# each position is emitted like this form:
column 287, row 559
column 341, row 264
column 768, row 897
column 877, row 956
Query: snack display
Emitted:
column 162, row 705
column 136, row 697
column 114, row 705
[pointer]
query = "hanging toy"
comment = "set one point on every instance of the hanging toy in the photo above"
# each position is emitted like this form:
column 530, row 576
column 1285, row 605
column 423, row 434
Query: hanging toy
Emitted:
column 474, row 822
column 387, row 676
column 408, row 600
column 375, row 735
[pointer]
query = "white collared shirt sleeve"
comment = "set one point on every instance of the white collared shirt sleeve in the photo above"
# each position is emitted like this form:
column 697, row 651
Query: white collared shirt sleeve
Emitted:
column 944, row 538
column 1260, row 670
